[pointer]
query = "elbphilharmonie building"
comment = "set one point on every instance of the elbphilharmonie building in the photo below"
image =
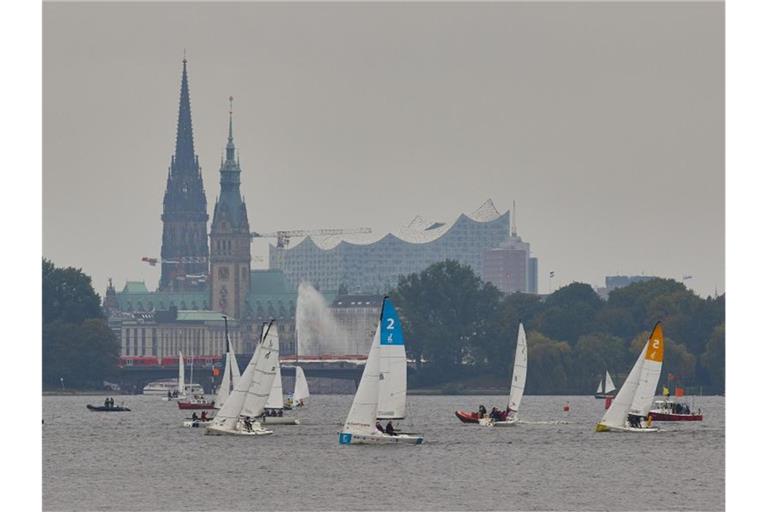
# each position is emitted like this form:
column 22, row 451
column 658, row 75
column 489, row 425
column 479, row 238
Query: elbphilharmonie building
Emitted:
column 373, row 265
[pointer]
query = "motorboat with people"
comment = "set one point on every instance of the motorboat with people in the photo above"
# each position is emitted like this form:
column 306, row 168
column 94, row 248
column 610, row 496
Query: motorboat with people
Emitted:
column 239, row 413
column 197, row 421
column 508, row 416
column 109, row 406
column 668, row 409
column 361, row 424
column 629, row 411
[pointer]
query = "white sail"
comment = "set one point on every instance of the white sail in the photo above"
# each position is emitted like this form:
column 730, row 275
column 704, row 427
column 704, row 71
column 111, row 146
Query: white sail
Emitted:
column 229, row 378
column 519, row 372
column 637, row 392
column 275, row 400
column 616, row 415
column 362, row 415
column 264, row 374
column 609, row 385
column 234, row 368
column 300, row 389
column 649, row 374
column 393, row 366
column 182, row 384
column 599, row 387
column 226, row 418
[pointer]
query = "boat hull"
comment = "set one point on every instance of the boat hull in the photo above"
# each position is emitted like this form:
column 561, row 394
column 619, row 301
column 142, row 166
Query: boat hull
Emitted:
column 279, row 420
column 101, row 408
column 257, row 431
column 193, row 405
column 195, row 423
column 602, row 427
column 467, row 417
column 602, row 396
column 350, row 438
column 505, row 423
column 667, row 416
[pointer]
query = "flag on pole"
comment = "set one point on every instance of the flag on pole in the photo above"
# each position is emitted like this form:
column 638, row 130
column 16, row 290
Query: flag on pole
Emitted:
column 665, row 391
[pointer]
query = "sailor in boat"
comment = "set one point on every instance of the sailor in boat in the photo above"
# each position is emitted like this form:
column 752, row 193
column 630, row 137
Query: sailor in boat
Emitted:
column 203, row 416
column 390, row 429
column 194, row 416
column 634, row 420
column 169, row 394
column 380, row 428
column 248, row 424
column 481, row 411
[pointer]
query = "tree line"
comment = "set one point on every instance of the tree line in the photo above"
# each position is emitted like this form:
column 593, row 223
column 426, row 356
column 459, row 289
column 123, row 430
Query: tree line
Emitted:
column 463, row 330
column 79, row 349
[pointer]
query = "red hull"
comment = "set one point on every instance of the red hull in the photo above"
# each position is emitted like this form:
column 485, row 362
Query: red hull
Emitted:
column 188, row 405
column 467, row 417
column 661, row 416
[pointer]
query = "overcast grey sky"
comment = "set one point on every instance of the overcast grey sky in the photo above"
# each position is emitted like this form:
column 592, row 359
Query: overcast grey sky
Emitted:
column 604, row 121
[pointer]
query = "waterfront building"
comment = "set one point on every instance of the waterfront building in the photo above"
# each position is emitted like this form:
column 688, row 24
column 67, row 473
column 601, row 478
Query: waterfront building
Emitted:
column 365, row 265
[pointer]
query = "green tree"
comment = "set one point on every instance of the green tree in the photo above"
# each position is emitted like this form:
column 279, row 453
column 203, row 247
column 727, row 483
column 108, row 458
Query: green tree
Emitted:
column 445, row 310
column 593, row 355
column 713, row 359
column 549, row 364
column 569, row 313
column 78, row 346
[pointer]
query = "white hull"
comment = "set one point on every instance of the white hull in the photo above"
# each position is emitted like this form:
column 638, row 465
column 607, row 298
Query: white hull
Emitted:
column 507, row 423
column 195, row 423
column 601, row 427
column 348, row 438
column 257, row 431
column 280, row 420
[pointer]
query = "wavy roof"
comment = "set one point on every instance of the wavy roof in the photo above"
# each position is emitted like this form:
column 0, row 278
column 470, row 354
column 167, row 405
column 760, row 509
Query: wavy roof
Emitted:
column 418, row 231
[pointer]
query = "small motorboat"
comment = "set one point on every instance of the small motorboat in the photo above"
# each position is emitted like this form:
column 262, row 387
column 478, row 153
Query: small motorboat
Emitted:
column 670, row 410
column 195, row 403
column 103, row 408
column 468, row 417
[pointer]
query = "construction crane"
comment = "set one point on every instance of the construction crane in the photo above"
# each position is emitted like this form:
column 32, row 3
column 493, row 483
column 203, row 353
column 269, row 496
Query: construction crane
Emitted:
column 284, row 236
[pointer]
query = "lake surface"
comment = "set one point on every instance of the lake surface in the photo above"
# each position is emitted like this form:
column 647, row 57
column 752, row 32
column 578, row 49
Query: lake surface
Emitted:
column 145, row 460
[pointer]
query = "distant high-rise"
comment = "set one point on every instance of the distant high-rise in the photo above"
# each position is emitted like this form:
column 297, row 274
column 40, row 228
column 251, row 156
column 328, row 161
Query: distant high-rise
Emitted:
column 230, row 239
column 184, row 249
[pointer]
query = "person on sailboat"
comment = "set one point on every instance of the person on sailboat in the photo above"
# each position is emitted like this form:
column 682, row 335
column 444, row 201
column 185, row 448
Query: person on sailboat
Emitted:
column 203, row 416
column 634, row 420
column 390, row 429
column 248, row 424
column 169, row 394
column 380, row 428
column 194, row 416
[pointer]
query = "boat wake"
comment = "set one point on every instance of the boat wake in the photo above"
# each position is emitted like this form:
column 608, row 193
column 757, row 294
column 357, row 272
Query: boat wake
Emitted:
column 549, row 422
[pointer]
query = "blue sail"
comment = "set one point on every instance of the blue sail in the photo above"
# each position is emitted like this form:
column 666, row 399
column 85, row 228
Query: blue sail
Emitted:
column 391, row 329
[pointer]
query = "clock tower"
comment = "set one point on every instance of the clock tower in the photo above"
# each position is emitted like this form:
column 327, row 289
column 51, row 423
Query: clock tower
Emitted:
column 230, row 275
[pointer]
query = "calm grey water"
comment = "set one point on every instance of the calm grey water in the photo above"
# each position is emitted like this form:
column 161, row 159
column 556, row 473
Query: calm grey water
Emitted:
column 144, row 460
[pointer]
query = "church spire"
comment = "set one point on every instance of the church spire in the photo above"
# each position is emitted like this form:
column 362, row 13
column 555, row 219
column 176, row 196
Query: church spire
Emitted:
column 185, row 148
column 230, row 139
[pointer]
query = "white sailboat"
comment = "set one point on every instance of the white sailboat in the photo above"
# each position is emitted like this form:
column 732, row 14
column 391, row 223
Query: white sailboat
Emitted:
column 180, row 392
column 300, row 389
column 273, row 414
column 246, row 402
column 519, row 374
column 231, row 372
column 360, row 427
column 393, row 370
column 629, row 410
column 606, row 387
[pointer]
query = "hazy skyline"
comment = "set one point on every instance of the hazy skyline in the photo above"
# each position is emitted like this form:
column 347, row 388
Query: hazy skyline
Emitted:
column 604, row 122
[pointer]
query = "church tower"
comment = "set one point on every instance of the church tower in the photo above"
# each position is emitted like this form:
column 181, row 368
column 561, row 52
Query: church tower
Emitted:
column 230, row 239
column 184, row 250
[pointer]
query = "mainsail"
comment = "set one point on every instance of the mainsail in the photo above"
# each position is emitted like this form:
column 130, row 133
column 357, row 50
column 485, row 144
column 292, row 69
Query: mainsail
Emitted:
column 609, row 386
column 182, row 384
column 229, row 378
column 519, row 372
column 393, row 366
column 263, row 376
column 362, row 415
column 637, row 392
column 300, row 389
column 275, row 399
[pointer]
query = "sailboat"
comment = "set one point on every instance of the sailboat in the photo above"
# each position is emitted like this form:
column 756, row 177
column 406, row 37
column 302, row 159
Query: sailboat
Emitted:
column 231, row 372
column 300, row 390
column 245, row 403
column 629, row 410
column 360, row 427
column 519, row 373
column 191, row 400
column 181, row 389
column 273, row 409
column 606, row 387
